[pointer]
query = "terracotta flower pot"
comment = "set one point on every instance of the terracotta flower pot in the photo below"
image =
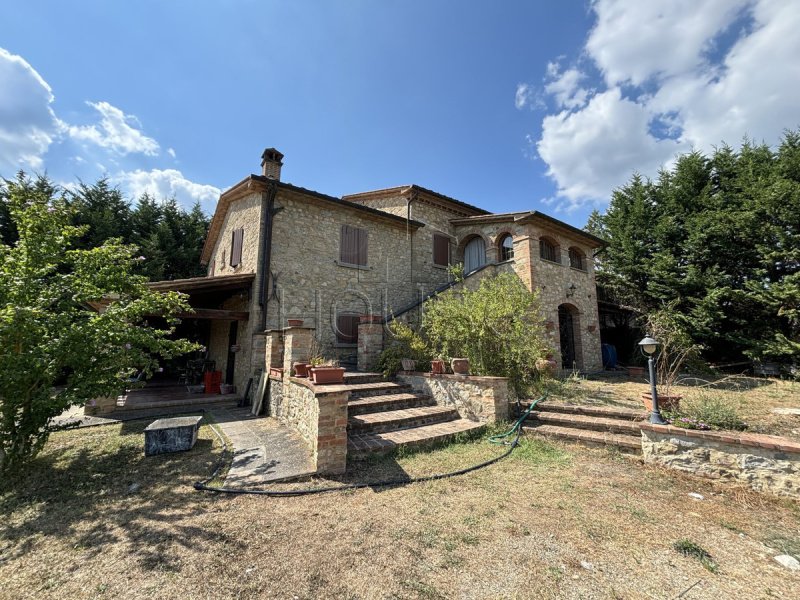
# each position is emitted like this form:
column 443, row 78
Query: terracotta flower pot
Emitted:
column 665, row 401
column 276, row 372
column 546, row 366
column 460, row 366
column 300, row 369
column 295, row 322
column 326, row 375
column 437, row 367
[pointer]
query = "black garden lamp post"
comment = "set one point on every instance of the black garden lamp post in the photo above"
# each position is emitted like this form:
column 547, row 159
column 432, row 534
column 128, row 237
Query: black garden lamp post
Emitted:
column 649, row 347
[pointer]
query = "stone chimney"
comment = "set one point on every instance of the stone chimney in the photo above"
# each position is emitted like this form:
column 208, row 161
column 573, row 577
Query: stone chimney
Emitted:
column 271, row 163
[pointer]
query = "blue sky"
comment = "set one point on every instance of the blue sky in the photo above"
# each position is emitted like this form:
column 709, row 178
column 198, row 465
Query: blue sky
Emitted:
column 510, row 106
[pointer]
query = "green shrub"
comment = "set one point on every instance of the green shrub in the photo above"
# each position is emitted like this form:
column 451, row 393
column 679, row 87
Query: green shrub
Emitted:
column 406, row 343
column 497, row 326
column 692, row 550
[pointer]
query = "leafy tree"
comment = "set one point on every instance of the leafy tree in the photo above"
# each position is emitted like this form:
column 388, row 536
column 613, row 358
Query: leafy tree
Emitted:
column 718, row 239
column 498, row 326
column 54, row 351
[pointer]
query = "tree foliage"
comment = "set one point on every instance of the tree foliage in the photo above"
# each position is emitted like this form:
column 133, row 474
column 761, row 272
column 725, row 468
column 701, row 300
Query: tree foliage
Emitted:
column 55, row 352
column 168, row 236
column 498, row 326
column 718, row 238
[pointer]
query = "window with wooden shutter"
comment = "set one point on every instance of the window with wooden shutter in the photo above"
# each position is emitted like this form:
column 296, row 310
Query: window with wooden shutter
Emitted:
column 237, row 241
column 347, row 329
column 441, row 250
column 353, row 246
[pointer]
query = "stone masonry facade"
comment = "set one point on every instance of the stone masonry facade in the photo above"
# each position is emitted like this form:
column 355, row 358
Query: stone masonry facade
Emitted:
column 305, row 278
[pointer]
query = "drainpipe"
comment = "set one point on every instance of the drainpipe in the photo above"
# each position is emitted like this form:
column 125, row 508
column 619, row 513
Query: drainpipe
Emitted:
column 411, row 197
column 267, row 215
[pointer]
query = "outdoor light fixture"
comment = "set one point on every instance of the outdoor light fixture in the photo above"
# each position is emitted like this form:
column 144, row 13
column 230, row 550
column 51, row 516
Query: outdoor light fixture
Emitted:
column 649, row 346
column 571, row 290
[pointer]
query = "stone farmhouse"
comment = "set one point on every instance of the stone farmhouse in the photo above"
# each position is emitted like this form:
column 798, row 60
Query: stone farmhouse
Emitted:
column 276, row 251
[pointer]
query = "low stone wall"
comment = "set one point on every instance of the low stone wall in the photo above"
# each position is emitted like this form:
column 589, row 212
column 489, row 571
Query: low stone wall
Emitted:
column 483, row 399
column 763, row 462
column 318, row 414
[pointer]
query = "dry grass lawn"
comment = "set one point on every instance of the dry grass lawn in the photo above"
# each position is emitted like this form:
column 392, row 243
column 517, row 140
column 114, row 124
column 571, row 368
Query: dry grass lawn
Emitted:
column 552, row 521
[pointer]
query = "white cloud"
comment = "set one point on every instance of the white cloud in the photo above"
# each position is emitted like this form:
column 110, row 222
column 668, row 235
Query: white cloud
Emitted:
column 117, row 131
column 591, row 151
column 682, row 88
column 523, row 95
column 565, row 86
column 28, row 124
column 634, row 40
column 171, row 152
column 167, row 183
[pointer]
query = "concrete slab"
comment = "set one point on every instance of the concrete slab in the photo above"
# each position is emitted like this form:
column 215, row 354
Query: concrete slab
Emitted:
column 263, row 450
column 176, row 434
column 787, row 411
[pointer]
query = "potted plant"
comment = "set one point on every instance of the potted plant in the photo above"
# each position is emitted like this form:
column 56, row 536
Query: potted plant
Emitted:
column 460, row 366
column 326, row 374
column 408, row 364
column 665, row 401
column 546, row 366
column 276, row 372
column 300, row 369
column 295, row 322
column 635, row 372
column 437, row 366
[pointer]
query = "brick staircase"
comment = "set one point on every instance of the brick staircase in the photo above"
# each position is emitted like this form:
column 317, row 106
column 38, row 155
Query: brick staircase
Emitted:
column 588, row 424
column 383, row 415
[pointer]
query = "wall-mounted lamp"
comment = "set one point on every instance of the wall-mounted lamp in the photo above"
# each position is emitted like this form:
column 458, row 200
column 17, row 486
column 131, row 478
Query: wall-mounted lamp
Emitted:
column 571, row 290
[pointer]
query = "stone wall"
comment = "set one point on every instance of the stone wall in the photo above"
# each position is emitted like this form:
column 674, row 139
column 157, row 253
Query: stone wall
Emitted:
column 318, row 414
column 244, row 212
column 483, row 399
column 764, row 463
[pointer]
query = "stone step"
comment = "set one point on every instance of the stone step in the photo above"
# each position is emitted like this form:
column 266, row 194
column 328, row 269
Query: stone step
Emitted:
column 628, row 443
column 363, row 444
column 362, row 377
column 372, row 404
column 364, row 390
column 393, row 420
column 591, row 410
column 585, row 422
column 122, row 414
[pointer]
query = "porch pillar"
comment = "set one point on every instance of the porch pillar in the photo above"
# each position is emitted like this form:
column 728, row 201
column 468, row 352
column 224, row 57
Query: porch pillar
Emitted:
column 296, row 346
column 273, row 353
column 370, row 341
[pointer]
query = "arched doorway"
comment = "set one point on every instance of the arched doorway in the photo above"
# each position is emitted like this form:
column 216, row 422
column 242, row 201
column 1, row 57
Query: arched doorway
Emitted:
column 569, row 336
column 474, row 254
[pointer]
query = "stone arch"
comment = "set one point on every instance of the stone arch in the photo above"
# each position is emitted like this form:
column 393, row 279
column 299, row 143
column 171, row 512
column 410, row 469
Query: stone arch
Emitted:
column 472, row 251
column 569, row 336
column 504, row 250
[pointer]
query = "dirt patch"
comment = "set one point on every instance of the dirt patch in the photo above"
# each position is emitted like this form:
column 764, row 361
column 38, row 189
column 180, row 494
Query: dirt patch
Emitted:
column 552, row 521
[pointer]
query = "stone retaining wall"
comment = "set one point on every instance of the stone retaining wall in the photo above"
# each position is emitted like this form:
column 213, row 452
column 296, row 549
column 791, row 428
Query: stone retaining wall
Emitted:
column 763, row 462
column 318, row 413
column 483, row 399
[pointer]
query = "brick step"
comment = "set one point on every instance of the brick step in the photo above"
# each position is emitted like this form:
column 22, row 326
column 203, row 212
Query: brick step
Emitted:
column 585, row 422
column 364, row 390
column 140, row 412
column 372, row 404
column 593, row 411
column 362, row 377
column 629, row 443
column 393, row 420
column 363, row 444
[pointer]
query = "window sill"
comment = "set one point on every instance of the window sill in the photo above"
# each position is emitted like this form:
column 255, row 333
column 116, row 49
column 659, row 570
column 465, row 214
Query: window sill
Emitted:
column 586, row 272
column 508, row 260
column 440, row 267
column 551, row 262
column 352, row 266
column 344, row 345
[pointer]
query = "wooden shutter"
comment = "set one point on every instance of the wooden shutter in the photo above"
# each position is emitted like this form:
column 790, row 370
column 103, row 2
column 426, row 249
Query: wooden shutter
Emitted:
column 353, row 247
column 441, row 250
column 347, row 329
column 237, row 241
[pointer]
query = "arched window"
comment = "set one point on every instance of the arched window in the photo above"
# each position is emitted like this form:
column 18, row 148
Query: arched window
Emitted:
column 506, row 247
column 548, row 250
column 474, row 254
column 577, row 260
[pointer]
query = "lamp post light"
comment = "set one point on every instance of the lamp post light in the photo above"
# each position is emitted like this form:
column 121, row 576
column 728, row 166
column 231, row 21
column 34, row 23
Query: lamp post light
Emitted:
column 649, row 347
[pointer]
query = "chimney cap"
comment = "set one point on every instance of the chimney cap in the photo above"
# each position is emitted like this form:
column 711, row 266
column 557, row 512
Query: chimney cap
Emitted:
column 272, row 155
